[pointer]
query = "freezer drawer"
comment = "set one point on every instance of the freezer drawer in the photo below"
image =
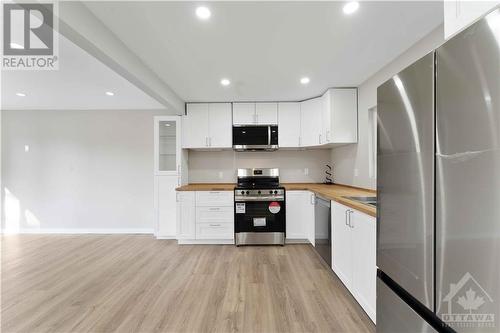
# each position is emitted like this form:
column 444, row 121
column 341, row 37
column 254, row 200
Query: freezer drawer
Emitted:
column 395, row 316
column 405, row 180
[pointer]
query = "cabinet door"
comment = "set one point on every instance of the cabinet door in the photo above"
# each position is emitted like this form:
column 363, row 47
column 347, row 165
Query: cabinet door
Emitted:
column 326, row 117
column 364, row 268
column 220, row 125
column 344, row 115
column 195, row 126
column 298, row 205
column 341, row 242
column 289, row 124
column 186, row 219
column 310, row 120
column 244, row 113
column 167, row 146
column 266, row 113
column 309, row 217
column 460, row 14
column 166, row 206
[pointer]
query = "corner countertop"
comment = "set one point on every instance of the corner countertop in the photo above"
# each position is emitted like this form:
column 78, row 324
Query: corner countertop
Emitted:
column 332, row 192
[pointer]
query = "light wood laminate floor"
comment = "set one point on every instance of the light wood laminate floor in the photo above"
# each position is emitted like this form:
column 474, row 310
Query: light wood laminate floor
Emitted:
column 135, row 283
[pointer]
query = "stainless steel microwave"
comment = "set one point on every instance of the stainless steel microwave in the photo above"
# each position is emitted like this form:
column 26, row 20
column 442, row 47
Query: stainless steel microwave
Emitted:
column 255, row 137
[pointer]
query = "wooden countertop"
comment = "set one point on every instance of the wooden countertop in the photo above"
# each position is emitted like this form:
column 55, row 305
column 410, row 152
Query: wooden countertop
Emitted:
column 332, row 192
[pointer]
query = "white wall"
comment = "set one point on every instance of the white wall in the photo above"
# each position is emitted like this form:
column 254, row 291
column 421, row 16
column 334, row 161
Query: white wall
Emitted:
column 348, row 159
column 206, row 167
column 84, row 171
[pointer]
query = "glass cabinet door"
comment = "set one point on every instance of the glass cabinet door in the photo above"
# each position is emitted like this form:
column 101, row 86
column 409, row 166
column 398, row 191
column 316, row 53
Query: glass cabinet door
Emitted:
column 166, row 145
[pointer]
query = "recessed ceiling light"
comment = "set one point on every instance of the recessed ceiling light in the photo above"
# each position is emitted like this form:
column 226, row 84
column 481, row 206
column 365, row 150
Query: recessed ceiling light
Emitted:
column 203, row 13
column 110, row 93
column 20, row 94
column 351, row 7
column 225, row 82
column 305, row 80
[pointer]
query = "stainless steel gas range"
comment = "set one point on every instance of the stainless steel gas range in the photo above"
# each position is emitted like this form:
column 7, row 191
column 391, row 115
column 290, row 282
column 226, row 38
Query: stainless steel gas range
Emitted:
column 259, row 208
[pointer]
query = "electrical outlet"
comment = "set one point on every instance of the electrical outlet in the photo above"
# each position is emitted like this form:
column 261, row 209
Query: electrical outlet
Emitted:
column 356, row 172
column 221, row 174
column 306, row 171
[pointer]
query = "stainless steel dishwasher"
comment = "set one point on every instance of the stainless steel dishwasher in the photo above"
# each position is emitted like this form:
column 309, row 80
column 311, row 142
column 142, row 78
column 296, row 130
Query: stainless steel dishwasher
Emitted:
column 323, row 229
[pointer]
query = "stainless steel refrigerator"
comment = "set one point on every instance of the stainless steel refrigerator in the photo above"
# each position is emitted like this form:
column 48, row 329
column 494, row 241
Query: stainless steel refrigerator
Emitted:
column 438, row 240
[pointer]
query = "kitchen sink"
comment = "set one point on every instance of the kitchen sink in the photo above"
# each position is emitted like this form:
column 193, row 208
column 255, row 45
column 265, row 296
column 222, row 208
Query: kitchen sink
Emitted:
column 372, row 201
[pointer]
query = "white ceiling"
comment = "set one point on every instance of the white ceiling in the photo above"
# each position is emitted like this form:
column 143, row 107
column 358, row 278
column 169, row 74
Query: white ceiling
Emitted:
column 80, row 83
column 265, row 47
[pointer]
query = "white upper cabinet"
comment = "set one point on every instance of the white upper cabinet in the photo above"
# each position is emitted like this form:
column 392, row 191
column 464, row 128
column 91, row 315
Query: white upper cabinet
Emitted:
column 459, row 14
column 220, row 125
column 266, row 113
column 255, row 113
column 244, row 113
column 207, row 125
column 311, row 127
column 342, row 107
column 325, row 121
column 195, row 126
column 288, row 124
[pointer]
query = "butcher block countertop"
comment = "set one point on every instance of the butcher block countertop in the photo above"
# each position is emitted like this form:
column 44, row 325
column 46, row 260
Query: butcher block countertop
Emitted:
column 332, row 192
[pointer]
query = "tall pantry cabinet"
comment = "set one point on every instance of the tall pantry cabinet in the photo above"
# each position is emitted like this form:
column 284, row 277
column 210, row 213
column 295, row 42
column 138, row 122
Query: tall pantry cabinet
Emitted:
column 170, row 171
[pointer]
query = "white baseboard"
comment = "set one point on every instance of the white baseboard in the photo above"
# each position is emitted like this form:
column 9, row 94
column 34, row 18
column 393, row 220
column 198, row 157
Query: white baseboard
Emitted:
column 78, row 231
column 296, row 241
column 166, row 237
column 205, row 241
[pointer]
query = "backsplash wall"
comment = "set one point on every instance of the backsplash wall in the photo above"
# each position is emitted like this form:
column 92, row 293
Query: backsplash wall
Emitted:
column 220, row 166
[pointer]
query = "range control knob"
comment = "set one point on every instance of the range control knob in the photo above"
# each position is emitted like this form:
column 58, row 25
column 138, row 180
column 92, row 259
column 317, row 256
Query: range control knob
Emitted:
column 275, row 192
column 243, row 192
column 271, row 192
column 248, row 192
column 258, row 192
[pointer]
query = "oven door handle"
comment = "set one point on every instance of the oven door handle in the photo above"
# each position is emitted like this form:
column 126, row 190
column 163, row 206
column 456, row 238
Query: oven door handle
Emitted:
column 268, row 199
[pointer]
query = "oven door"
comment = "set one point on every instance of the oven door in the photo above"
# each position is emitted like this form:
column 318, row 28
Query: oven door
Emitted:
column 259, row 216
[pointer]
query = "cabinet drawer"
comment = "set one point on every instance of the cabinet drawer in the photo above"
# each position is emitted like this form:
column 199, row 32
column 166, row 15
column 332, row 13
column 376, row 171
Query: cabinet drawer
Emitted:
column 215, row 231
column 214, row 215
column 214, row 199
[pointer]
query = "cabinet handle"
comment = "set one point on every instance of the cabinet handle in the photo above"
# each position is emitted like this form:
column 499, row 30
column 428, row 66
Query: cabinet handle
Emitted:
column 320, row 139
column 214, row 225
column 300, row 141
column 350, row 221
column 214, row 192
column 313, row 201
column 328, row 136
column 214, row 209
column 210, row 141
column 206, row 141
column 346, row 212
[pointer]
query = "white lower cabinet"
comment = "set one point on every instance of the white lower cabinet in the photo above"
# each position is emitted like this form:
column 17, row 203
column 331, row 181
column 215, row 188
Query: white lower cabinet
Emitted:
column 186, row 218
column 205, row 217
column 299, row 216
column 214, row 231
column 165, row 206
column 354, row 254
